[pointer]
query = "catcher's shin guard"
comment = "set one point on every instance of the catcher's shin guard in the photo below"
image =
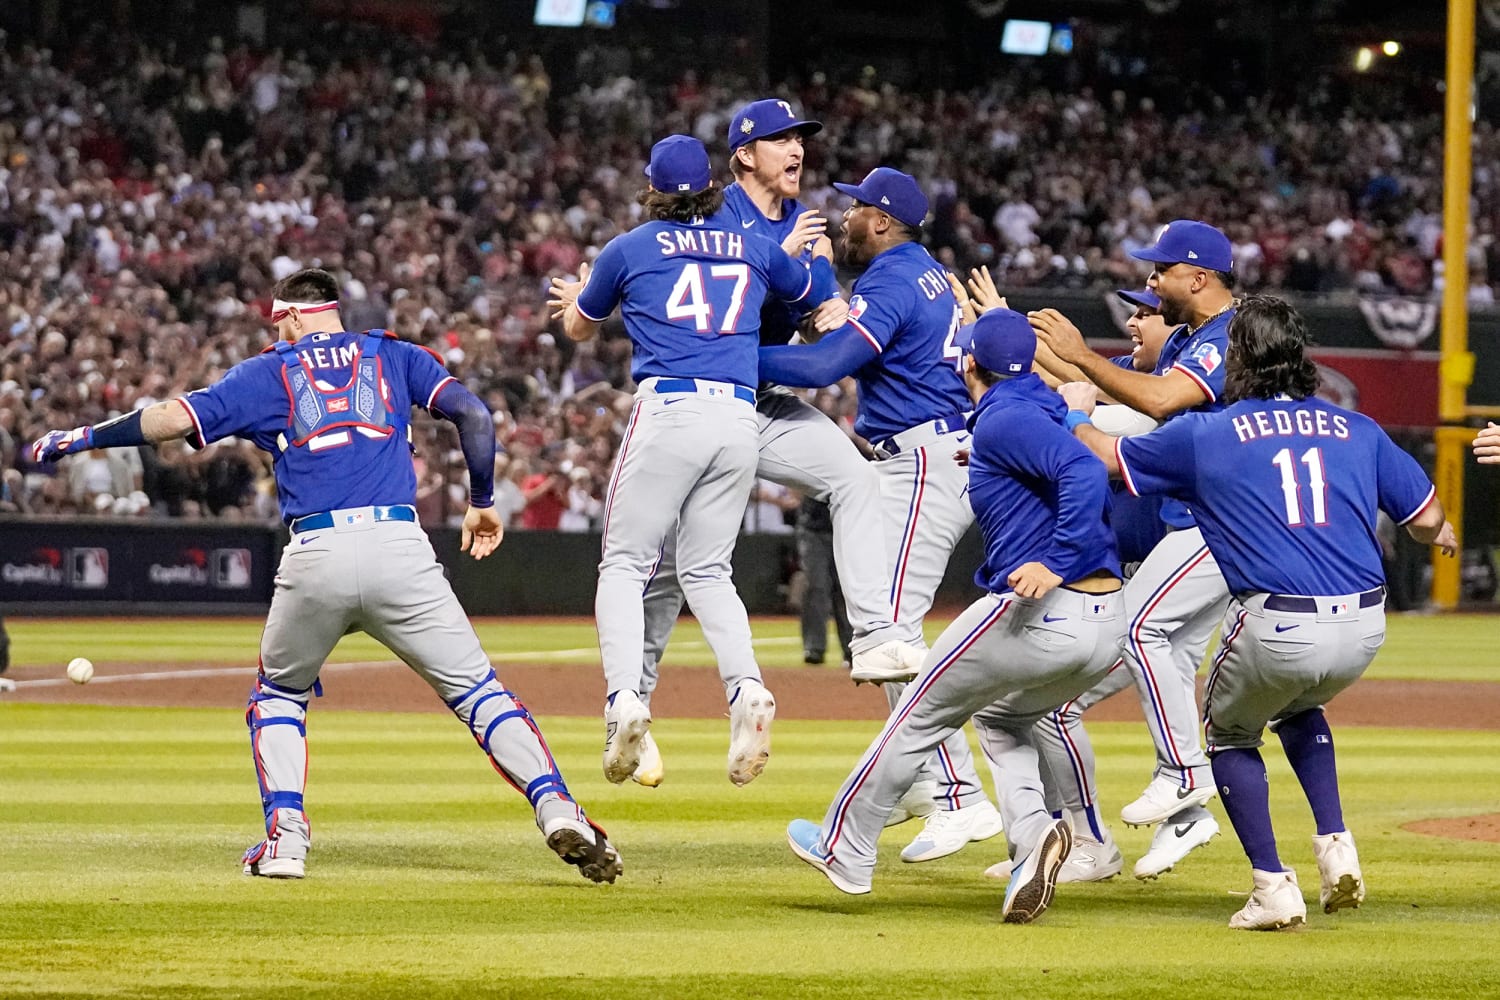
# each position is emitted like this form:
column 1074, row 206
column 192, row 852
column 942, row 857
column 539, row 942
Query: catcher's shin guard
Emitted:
column 276, row 717
column 507, row 733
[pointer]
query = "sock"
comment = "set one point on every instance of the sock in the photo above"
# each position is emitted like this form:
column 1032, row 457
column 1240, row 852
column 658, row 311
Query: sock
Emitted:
column 1309, row 749
column 1241, row 777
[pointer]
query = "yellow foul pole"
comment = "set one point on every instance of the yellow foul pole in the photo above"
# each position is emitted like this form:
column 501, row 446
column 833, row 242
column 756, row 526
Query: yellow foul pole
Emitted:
column 1456, row 370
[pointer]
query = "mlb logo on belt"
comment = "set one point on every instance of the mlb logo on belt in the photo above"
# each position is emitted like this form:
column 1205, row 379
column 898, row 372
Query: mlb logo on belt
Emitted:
column 355, row 517
column 1341, row 608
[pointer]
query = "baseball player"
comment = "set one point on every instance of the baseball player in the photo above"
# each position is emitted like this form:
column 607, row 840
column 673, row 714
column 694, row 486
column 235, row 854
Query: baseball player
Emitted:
column 1286, row 489
column 898, row 344
column 799, row 446
column 1048, row 628
column 1177, row 594
column 332, row 409
column 690, row 293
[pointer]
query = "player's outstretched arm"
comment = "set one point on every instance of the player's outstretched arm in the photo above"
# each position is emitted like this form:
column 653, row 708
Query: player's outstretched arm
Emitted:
column 482, row 532
column 160, row 422
column 1431, row 527
column 1157, row 396
column 1487, row 445
column 482, row 529
column 840, row 353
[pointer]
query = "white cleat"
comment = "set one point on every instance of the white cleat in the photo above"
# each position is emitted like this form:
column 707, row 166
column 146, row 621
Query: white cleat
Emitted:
column 1092, row 860
column 750, row 713
column 1164, row 798
column 649, row 771
column 6, row 684
column 889, row 662
column 260, row 860
column 1034, row 877
column 1338, row 865
column 1174, row 840
column 626, row 724
column 1275, row 902
column 948, row 831
column 917, row 802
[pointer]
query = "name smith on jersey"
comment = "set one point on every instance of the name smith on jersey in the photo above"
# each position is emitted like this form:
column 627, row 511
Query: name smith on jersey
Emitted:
column 710, row 241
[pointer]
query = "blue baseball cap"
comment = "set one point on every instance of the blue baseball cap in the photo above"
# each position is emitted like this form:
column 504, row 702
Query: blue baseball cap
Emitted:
column 894, row 193
column 1142, row 297
column 1186, row 241
column 760, row 119
column 679, row 165
column 1001, row 340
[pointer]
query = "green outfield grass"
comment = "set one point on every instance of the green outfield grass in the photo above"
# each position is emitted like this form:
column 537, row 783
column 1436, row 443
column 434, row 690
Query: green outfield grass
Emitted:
column 122, row 828
column 1439, row 647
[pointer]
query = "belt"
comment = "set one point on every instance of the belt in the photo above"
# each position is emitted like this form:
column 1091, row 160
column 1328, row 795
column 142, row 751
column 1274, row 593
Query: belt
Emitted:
column 703, row 387
column 352, row 515
column 915, row 437
column 1309, row 605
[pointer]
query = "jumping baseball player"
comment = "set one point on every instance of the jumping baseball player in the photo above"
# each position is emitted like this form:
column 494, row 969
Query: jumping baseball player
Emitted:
column 1048, row 628
column 332, row 409
column 898, row 344
column 1177, row 594
column 1286, row 489
column 690, row 293
column 799, row 446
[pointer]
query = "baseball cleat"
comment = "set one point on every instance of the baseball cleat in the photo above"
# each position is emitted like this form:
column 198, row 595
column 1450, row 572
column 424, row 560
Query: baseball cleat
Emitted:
column 1338, row 865
column 948, row 831
column 804, row 837
column 1174, row 840
column 1033, row 880
column 918, row 801
column 1163, row 798
column 750, row 713
column 259, row 861
column 888, row 662
column 1275, row 902
column 1092, row 860
column 649, row 771
column 6, row 684
column 626, row 723
column 586, row 846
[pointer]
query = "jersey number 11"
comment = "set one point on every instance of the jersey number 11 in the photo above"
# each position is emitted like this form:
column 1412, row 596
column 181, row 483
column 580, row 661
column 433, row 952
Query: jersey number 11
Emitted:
column 1291, row 489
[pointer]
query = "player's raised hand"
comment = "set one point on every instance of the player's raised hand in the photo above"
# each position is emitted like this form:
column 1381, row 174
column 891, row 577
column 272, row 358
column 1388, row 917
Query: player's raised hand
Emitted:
column 984, row 293
column 823, row 247
column 482, row 532
column 55, row 444
column 830, row 315
column 565, row 293
column 1487, row 445
column 962, row 295
column 1033, row 580
column 810, row 225
column 1079, row 395
column 1058, row 332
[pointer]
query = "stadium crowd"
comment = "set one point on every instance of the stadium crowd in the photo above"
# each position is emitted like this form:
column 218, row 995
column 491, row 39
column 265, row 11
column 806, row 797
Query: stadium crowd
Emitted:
column 151, row 195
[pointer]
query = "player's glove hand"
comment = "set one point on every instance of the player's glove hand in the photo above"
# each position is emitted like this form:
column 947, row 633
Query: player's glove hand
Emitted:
column 54, row 444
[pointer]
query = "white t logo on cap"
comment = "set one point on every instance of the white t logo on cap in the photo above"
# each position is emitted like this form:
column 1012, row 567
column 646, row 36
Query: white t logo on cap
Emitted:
column 783, row 105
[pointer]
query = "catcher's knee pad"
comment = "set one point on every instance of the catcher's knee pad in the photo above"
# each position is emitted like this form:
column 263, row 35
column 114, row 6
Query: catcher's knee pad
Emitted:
column 485, row 709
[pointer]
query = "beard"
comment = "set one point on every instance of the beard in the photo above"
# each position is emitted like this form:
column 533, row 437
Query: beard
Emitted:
column 1172, row 313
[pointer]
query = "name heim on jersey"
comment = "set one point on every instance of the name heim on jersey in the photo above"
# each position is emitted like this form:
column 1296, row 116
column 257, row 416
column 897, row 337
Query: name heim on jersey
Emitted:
column 710, row 241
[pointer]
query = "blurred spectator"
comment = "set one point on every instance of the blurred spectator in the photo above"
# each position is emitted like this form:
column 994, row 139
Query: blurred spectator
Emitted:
column 770, row 503
column 822, row 596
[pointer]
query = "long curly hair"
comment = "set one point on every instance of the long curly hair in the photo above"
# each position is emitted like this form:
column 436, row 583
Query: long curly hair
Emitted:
column 1268, row 352
column 680, row 207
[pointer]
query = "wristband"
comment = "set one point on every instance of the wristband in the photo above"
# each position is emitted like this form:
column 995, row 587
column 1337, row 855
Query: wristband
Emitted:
column 1074, row 418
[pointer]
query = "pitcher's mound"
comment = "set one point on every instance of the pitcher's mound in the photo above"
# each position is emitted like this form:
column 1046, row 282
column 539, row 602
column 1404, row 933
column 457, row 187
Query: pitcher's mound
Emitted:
column 1485, row 827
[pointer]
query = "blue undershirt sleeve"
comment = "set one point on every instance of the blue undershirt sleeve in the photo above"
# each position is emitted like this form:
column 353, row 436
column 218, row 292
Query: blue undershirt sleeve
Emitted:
column 840, row 353
column 476, row 435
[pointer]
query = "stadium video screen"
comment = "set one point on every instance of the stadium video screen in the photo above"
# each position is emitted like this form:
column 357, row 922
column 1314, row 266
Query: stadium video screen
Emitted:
column 1025, row 38
column 560, row 13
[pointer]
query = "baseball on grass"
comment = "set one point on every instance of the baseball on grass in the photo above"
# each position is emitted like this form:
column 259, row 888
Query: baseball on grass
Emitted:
column 80, row 670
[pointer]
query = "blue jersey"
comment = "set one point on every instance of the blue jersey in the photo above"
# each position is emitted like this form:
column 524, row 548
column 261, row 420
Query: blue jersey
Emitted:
column 778, row 320
column 1137, row 520
column 1285, row 491
column 1038, row 494
column 351, row 466
column 903, row 307
column 690, row 295
column 1199, row 355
